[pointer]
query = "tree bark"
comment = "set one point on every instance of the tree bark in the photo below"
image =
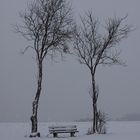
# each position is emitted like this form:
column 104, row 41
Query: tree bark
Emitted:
column 34, row 117
column 94, row 103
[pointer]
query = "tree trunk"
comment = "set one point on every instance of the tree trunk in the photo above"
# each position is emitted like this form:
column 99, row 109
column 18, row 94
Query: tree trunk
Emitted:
column 94, row 117
column 94, row 103
column 34, row 119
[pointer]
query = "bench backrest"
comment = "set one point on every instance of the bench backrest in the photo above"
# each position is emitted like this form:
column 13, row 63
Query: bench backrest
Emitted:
column 72, row 128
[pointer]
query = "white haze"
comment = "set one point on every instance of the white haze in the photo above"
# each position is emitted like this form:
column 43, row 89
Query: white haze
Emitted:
column 65, row 90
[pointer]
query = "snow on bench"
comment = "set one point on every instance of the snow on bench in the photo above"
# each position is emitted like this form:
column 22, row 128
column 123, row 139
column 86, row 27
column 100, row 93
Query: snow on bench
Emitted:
column 72, row 129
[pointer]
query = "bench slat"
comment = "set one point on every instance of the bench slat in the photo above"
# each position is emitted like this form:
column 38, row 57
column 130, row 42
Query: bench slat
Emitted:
column 64, row 132
column 69, row 126
column 62, row 129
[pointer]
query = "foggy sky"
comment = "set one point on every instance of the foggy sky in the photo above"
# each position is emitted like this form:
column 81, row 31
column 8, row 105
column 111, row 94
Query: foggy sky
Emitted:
column 66, row 83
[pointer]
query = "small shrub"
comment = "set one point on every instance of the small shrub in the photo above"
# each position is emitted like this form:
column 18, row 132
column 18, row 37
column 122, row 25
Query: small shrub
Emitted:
column 101, row 123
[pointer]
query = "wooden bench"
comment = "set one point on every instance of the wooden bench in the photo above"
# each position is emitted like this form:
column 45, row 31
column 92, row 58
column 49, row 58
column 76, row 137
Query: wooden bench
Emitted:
column 72, row 129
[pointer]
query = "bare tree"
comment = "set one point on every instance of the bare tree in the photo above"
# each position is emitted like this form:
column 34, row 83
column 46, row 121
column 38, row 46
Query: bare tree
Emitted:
column 93, row 48
column 48, row 25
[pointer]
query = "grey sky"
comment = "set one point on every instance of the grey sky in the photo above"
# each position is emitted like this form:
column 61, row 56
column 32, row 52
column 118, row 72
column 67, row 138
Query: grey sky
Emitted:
column 65, row 90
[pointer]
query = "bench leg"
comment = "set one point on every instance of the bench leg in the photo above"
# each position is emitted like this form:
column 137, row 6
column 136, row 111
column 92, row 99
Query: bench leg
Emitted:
column 72, row 134
column 54, row 135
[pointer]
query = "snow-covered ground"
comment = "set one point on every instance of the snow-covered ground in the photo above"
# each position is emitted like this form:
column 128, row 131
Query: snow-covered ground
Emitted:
column 116, row 131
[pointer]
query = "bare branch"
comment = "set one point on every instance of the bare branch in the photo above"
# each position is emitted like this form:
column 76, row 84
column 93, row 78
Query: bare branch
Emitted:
column 26, row 48
column 47, row 23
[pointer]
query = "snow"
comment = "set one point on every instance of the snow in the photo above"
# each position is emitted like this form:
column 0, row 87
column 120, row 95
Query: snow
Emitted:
column 116, row 131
